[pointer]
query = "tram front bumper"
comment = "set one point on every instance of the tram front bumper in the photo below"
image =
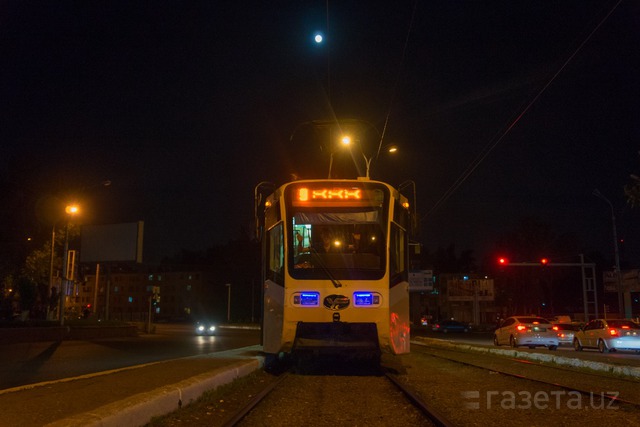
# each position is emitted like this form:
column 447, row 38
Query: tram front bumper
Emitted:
column 337, row 338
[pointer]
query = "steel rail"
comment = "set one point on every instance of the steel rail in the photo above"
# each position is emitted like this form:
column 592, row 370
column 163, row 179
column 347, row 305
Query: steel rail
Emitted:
column 239, row 416
column 523, row 377
column 548, row 366
column 434, row 416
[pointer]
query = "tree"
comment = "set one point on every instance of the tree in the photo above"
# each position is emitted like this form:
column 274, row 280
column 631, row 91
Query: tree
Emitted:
column 632, row 191
column 28, row 295
column 38, row 263
column 446, row 261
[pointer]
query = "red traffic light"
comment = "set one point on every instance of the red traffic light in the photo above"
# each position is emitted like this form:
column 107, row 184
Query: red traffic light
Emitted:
column 544, row 261
column 503, row 261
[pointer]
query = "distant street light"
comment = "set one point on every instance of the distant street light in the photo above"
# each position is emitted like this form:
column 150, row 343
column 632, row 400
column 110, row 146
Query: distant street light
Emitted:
column 621, row 307
column 228, row 285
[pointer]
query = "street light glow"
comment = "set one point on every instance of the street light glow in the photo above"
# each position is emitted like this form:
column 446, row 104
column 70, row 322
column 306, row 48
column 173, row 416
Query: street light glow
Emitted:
column 346, row 140
column 318, row 38
column 72, row 209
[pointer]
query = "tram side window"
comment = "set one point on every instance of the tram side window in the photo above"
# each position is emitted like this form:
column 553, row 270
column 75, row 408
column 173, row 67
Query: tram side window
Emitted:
column 275, row 254
column 397, row 254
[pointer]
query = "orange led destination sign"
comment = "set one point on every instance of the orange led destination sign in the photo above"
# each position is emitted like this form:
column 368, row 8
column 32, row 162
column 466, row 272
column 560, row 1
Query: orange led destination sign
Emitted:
column 331, row 196
column 305, row 194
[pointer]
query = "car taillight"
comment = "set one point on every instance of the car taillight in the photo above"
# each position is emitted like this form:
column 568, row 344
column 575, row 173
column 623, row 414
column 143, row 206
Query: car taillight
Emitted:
column 561, row 335
column 521, row 327
column 613, row 332
column 555, row 328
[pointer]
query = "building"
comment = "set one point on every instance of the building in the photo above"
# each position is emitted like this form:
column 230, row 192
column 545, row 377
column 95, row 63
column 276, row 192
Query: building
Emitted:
column 132, row 295
column 466, row 298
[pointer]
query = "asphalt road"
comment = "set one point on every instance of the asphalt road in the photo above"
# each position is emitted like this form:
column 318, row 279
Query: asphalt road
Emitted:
column 29, row 363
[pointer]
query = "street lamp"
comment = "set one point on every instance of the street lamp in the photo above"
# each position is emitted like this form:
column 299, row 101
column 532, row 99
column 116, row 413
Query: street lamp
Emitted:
column 53, row 241
column 228, row 285
column 621, row 306
column 346, row 140
column 71, row 210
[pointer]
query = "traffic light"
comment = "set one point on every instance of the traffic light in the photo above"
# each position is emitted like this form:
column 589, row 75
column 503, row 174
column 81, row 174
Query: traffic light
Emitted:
column 503, row 261
column 544, row 261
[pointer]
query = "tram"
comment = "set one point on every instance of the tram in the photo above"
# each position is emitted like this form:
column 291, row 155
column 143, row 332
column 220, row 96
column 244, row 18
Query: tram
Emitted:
column 335, row 269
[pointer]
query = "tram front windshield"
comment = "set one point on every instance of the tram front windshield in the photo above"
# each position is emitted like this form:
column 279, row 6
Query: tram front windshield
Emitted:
column 342, row 243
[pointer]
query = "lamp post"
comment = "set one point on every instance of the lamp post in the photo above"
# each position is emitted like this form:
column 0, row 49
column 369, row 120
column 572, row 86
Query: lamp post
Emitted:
column 346, row 140
column 621, row 307
column 332, row 146
column 53, row 242
column 228, row 285
column 70, row 210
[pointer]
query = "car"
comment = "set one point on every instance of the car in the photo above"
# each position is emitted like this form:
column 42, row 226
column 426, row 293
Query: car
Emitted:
column 530, row 331
column 560, row 319
column 566, row 332
column 205, row 328
column 447, row 326
column 608, row 335
column 424, row 320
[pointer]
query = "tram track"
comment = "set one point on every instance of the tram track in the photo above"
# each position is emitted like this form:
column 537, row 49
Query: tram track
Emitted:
column 431, row 417
column 457, row 390
column 614, row 382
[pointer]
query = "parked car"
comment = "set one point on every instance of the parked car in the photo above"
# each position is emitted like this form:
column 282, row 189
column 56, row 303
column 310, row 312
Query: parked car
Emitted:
column 608, row 335
column 205, row 328
column 561, row 319
column 565, row 332
column 447, row 326
column 531, row 331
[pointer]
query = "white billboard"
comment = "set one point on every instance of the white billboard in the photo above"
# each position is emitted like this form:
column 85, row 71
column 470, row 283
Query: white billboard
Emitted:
column 420, row 280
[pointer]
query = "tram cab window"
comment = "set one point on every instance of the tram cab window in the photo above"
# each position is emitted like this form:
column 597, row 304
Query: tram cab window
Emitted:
column 342, row 242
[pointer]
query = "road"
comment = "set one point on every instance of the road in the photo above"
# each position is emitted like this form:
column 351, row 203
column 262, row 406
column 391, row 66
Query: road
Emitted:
column 29, row 363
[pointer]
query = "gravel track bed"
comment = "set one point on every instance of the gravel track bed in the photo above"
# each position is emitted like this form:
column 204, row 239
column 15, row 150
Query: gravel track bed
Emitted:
column 627, row 388
column 470, row 396
column 467, row 396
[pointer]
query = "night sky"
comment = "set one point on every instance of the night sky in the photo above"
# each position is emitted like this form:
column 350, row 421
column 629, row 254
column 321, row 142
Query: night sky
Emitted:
column 502, row 110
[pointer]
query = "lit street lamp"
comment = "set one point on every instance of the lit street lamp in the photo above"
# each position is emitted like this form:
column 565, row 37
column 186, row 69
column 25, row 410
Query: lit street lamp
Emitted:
column 71, row 210
column 626, row 311
column 346, row 140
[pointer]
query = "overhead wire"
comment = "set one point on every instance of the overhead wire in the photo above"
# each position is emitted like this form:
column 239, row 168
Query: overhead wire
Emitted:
column 492, row 145
column 395, row 86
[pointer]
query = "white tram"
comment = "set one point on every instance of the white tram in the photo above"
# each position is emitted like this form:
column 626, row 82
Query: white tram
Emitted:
column 335, row 269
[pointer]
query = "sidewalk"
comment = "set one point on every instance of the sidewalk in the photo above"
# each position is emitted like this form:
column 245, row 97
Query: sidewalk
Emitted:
column 125, row 397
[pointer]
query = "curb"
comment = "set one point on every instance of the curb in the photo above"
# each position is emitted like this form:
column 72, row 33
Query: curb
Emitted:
column 626, row 371
column 139, row 409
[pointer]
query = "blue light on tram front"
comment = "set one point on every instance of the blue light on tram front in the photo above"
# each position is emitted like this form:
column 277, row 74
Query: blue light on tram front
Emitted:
column 366, row 298
column 307, row 299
